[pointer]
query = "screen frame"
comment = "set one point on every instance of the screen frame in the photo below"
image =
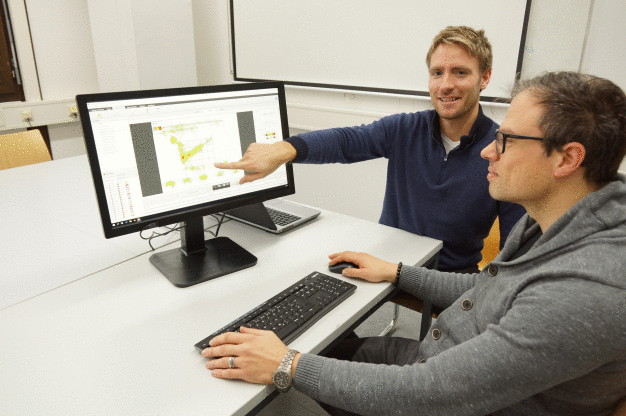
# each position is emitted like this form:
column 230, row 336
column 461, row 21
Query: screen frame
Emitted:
column 186, row 213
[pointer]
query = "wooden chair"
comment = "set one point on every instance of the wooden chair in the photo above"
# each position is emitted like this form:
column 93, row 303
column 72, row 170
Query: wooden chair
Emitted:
column 22, row 148
column 490, row 250
column 492, row 245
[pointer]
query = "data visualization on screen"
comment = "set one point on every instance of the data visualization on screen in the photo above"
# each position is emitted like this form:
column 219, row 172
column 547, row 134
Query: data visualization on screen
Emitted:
column 157, row 154
column 152, row 155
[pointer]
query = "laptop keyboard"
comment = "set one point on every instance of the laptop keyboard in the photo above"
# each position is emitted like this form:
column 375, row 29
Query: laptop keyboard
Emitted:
column 281, row 218
column 293, row 310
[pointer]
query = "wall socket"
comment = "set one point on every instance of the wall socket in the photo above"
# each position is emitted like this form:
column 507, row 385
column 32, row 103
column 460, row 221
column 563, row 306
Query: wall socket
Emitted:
column 41, row 113
column 72, row 111
column 27, row 116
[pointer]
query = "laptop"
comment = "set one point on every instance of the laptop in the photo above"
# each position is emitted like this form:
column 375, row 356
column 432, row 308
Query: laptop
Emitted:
column 275, row 216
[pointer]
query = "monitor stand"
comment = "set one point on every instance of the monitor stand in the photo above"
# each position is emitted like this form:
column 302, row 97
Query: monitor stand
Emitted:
column 199, row 260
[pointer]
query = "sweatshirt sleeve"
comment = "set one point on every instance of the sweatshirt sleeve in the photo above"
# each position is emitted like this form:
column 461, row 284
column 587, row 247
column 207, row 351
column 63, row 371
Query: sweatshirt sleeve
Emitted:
column 519, row 357
column 440, row 288
column 347, row 144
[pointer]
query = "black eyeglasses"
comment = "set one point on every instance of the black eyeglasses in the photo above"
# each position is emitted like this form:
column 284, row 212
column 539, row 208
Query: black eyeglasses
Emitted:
column 502, row 137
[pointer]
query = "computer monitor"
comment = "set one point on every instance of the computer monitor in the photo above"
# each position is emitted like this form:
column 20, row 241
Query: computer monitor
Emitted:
column 152, row 153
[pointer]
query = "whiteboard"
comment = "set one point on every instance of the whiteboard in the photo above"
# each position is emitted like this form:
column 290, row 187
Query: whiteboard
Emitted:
column 370, row 45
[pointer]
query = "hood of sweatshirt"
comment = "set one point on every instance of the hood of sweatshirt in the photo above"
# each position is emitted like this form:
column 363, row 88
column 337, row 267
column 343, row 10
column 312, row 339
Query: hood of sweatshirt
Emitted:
column 599, row 218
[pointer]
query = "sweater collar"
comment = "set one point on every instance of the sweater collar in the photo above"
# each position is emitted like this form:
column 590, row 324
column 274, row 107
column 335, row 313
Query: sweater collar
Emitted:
column 599, row 211
column 479, row 129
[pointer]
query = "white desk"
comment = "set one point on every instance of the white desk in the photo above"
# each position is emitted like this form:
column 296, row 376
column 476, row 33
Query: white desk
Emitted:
column 120, row 341
column 51, row 232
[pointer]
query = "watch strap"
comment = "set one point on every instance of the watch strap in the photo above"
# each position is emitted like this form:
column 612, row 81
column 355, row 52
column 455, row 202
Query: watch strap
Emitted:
column 285, row 364
column 284, row 371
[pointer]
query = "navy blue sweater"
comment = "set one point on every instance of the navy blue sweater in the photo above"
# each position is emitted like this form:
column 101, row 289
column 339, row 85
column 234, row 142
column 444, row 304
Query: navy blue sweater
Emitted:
column 427, row 192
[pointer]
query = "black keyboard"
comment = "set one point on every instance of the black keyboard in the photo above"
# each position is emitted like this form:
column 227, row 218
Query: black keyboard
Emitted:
column 280, row 217
column 293, row 310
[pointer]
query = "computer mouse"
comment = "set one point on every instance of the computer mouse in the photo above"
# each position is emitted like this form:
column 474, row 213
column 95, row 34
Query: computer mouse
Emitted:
column 338, row 267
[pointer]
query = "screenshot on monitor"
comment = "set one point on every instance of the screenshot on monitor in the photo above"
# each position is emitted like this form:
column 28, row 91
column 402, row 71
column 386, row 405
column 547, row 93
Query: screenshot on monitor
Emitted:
column 152, row 152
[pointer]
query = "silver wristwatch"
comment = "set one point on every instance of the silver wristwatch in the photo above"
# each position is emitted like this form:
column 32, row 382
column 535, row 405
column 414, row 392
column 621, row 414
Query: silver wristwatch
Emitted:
column 282, row 376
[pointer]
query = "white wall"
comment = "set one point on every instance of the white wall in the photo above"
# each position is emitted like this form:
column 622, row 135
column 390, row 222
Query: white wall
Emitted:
column 61, row 39
column 604, row 53
column 142, row 44
column 212, row 41
column 74, row 47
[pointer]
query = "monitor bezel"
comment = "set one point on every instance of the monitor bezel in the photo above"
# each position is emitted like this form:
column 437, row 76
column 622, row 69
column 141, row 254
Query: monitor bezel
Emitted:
column 181, row 214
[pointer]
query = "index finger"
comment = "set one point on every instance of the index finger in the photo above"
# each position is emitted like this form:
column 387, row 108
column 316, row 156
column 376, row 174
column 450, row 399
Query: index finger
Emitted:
column 224, row 345
column 334, row 255
column 230, row 165
column 228, row 338
column 337, row 257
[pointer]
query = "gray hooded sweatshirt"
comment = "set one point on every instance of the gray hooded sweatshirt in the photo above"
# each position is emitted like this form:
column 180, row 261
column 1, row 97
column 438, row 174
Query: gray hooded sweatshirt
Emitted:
column 543, row 333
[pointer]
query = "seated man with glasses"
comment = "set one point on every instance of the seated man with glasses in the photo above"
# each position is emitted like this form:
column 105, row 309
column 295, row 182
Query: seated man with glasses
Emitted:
column 540, row 331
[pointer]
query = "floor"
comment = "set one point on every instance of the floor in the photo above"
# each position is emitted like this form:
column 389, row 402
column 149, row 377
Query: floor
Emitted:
column 296, row 403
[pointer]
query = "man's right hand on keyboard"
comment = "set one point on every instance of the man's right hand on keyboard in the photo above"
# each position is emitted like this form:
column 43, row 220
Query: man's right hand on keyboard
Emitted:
column 257, row 354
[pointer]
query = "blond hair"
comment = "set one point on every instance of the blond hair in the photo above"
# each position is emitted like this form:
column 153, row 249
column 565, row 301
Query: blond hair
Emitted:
column 473, row 41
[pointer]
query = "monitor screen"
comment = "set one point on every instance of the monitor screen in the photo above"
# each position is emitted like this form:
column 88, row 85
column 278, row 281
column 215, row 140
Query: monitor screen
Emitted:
column 152, row 156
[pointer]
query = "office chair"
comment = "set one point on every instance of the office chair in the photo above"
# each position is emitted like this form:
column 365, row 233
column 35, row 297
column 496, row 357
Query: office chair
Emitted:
column 490, row 250
column 491, row 246
column 22, row 148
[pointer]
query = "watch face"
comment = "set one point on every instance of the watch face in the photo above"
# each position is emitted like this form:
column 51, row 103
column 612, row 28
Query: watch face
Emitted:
column 282, row 380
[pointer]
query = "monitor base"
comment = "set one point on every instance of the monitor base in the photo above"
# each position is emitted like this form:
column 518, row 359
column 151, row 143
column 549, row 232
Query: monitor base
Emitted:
column 220, row 257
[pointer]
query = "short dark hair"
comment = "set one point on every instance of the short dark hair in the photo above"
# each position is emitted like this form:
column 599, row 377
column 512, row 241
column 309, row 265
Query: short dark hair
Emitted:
column 585, row 109
column 473, row 41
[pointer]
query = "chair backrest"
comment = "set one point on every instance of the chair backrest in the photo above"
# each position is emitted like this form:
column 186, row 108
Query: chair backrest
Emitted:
column 22, row 148
column 492, row 245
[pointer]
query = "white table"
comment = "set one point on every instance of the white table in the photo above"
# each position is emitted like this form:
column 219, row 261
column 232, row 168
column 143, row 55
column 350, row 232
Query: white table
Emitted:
column 51, row 232
column 120, row 341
